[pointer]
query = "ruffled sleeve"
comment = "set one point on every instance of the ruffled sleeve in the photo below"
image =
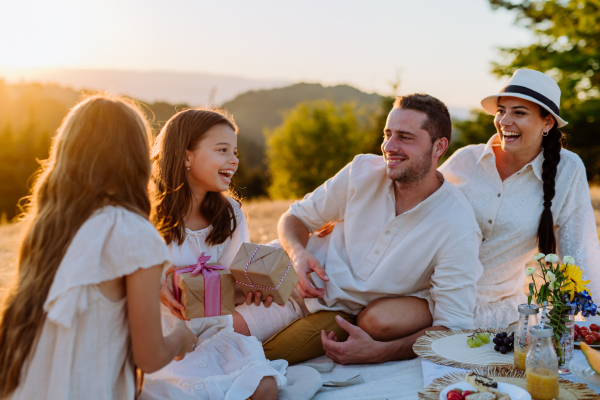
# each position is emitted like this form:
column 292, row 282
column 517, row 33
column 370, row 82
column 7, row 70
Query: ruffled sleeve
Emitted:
column 112, row 243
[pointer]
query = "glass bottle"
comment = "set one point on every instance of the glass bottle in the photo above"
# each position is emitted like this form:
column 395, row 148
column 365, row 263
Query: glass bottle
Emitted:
column 541, row 371
column 528, row 316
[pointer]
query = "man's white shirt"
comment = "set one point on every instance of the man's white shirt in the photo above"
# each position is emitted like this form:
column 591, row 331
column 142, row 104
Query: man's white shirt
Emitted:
column 430, row 251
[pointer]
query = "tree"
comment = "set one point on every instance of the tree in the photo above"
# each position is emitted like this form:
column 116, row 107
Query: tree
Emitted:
column 315, row 141
column 477, row 129
column 567, row 47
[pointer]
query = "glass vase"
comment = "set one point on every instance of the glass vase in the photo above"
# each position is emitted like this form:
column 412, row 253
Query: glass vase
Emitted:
column 566, row 346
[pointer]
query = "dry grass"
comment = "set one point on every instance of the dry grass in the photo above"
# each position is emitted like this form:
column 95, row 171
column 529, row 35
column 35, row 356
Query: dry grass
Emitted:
column 262, row 218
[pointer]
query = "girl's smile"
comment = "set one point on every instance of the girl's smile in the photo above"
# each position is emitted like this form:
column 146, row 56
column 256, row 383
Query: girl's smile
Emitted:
column 213, row 162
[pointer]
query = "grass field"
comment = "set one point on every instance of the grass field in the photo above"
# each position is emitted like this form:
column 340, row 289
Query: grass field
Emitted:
column 262, row 219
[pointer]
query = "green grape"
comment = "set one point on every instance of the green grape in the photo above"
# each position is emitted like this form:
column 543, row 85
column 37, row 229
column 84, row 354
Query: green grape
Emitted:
column 477, row 342
column 484, row 337
column 471, row 342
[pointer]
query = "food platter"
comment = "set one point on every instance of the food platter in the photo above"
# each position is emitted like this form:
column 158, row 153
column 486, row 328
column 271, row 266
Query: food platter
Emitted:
column 515, row 392
column 450, row 348
column 567, row 390
column 586, row 324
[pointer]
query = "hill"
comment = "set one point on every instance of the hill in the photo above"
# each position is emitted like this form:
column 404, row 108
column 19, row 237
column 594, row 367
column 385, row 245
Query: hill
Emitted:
column 256, row 110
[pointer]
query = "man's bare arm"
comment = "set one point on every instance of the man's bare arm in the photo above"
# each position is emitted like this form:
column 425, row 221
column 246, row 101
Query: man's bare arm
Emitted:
column 294, row 235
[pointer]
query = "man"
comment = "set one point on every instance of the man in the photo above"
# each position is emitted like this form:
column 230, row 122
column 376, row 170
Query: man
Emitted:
column 402, row 259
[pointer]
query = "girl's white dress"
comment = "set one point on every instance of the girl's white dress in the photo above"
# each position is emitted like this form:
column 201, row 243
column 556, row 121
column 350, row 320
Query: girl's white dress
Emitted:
column 84, row 349
column 224, row 365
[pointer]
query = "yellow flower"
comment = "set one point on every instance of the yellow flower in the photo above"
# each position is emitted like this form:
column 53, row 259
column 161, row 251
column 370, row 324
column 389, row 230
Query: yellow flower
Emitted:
column 574, row 282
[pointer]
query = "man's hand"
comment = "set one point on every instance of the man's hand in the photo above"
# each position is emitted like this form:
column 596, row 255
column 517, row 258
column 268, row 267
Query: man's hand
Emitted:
column 360, row 348
column 305, row 263
column 167, row 298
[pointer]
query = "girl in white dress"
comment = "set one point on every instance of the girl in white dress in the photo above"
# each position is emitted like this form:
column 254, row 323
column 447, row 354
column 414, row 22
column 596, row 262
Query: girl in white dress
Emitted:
column 194, row 159
column 85, row 308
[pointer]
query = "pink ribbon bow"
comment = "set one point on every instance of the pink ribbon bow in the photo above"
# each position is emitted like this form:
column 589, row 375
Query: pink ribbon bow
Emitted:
column 212, row 284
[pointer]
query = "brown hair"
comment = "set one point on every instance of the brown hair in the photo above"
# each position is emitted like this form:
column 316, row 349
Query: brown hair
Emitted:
column 170, row 189
column 98, row 157
column 438, row 122
column 551, row 143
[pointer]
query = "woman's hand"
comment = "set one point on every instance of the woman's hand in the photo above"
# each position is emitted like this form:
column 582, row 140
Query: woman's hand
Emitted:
column 189, row 339
column 168, row 299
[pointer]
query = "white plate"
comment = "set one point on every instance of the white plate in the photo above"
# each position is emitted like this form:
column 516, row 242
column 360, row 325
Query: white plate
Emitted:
column 581, row 369
column 515, row 392
column 587, row 323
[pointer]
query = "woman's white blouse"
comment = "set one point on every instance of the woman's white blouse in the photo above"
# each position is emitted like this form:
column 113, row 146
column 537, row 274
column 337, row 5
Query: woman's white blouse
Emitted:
column 84, row 349
column 508, row 214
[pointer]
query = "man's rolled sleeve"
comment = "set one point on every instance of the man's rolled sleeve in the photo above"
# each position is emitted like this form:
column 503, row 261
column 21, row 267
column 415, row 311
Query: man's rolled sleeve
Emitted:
column 454, row 284
column 327, row 203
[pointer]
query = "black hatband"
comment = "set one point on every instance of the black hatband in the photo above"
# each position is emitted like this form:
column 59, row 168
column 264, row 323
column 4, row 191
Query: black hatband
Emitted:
column 532, row 93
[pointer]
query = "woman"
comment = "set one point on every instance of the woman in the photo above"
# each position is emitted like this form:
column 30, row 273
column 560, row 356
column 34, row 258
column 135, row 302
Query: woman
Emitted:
column 529, row 195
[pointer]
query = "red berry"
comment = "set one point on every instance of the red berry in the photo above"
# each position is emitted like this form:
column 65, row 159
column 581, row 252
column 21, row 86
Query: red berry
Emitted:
column 584, row 332
column 575, row 335
column 454, row 395
column 577, row 327
column 594, row 328
column 589, row 339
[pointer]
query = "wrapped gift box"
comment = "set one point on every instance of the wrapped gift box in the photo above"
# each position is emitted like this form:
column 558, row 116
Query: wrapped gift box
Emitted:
column 265, row 269
column 204, row 296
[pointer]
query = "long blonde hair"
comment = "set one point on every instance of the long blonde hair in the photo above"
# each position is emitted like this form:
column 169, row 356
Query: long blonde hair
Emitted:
column 99, row 156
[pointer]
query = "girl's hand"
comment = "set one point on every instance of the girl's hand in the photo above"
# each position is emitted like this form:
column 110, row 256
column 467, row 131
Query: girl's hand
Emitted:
column 256, row 298
column 188, row 342
column 167, row 298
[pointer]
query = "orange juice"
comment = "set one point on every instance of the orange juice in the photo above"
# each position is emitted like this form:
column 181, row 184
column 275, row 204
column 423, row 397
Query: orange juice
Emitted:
column 542, row 384
column 520, row 356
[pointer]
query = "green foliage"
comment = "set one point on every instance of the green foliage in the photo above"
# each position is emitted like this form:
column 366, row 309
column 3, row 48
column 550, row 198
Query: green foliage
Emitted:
column 315, row 141
column 478, row 129
column 567, row 48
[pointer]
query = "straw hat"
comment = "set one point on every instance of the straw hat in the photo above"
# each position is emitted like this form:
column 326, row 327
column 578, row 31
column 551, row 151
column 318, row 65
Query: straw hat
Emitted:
column 531, row 85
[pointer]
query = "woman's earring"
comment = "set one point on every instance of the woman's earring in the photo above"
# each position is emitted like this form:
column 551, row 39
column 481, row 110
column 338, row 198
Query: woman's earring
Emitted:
column 188, row 168
column 544, row 133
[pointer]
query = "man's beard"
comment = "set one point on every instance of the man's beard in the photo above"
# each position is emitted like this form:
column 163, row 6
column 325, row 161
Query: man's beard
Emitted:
column 417, row 171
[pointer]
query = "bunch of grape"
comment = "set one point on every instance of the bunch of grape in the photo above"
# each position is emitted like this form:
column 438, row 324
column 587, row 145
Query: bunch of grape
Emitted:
column 477, row 339
column 504, row 342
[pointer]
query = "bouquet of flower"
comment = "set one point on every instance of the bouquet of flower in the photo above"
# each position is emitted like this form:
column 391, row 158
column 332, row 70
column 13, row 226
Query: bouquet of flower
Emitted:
column 564, row 289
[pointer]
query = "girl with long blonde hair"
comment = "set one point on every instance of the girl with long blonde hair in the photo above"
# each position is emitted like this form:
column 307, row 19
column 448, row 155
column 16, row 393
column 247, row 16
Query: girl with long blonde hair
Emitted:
column 85, row 307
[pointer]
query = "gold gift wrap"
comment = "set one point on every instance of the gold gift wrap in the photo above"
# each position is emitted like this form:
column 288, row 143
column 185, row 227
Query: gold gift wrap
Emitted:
column 191, row 289
column 268, row 266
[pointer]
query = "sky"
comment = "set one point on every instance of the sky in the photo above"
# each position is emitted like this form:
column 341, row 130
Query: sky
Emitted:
column 441, row 47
